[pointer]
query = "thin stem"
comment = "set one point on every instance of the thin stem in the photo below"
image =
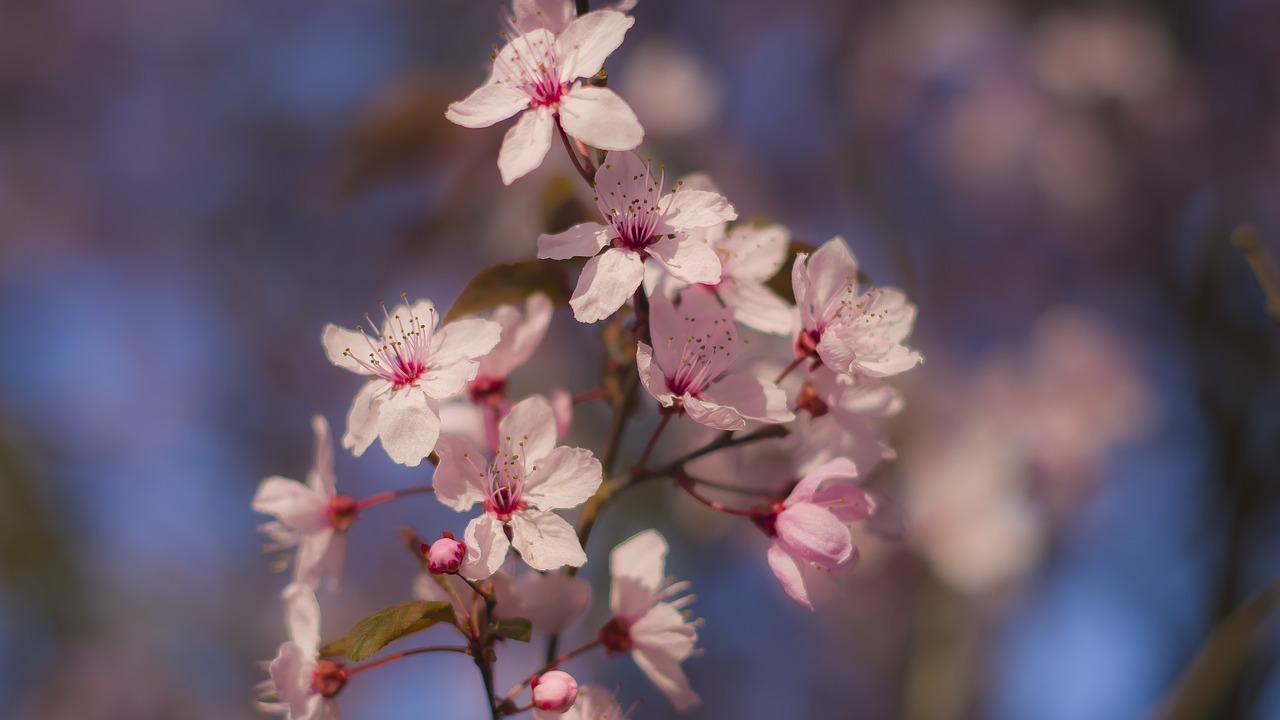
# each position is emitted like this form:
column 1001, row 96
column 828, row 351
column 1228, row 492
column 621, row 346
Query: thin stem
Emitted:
column 686, row 482
column 589, row 396
column 588, row 175
column 406, row 653
column 720, row 443
column 392, row 495
column 457, row 600
column 486, row 674
column 638, row 468
column 551, row 664
column 787, row 370
column 733, row 488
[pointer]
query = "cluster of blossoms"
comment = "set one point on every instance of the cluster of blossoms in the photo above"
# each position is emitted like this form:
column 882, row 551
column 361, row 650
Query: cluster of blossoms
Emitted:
column 684, row 284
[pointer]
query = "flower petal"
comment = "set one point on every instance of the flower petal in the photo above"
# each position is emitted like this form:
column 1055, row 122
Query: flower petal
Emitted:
column 687, row 259
column 528, row 430
column 302, row 617
column 487, row 546
column 521, row 335
column 294, row 504
column 755, row 253
column 564, row 479
column 290, row 674
column 652, row 377
column 751, row 397
column 756, row 306
column 790, row 573
column 640, row 559
column 552, row 602
column 696, row 208
column 545, row 540
column 582, row 240
column 607, row 280
column 466, row 339
column 489, row 104
column 712, row 414
column 362, row 419
column 318, row 554
column 340, row 344
column 814, row 535
column 583, row 46
column 408, row 425
column 665, row 672
column 321, row 478
column 837, row 469
column 525, row 145
column 600, row 117
column 460, row 480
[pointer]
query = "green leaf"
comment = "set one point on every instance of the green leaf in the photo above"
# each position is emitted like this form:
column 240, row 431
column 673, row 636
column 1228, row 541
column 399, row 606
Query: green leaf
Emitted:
column 512, row 283
column 518, row 629
column 1221, row 660
column 374, row 632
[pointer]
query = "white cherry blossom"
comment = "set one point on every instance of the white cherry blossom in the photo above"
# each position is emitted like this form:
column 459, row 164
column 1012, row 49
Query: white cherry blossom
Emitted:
column 412, row 366
column 640, row 223
column 518, row 488
column 687, row 368
column 301, row 686
column 535, row 73
column 647, row 618
column 553, row 15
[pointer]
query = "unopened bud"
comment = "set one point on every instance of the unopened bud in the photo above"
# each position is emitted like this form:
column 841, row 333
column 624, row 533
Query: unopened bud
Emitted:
column 445, row 555
column 554, row 691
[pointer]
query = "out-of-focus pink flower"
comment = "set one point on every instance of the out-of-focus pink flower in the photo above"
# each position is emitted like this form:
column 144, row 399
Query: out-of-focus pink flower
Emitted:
column 528, row 477
column 688, row 366
column 554, row 691
column 850, row 332
column 302, row 686
column 412, row 367
column 313, row 516
column 534, row 73
column 647, row 619
column 553, row 15
column 642, row 223
column 809, row 530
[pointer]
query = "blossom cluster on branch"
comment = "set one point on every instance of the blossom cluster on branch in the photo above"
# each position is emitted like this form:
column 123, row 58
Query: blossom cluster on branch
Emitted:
column 672, row 271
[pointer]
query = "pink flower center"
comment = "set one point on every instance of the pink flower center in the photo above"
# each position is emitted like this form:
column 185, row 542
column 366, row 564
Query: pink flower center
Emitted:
column 488, row 391
column 399, row 354
column 616, row 636
column 703, row 358
column 506, row 483
column 631, row 207
column 342, row 511
column 530, row 64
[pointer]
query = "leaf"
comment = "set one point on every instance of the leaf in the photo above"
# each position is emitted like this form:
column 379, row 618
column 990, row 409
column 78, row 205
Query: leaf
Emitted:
column 509, row 284
column 374, row 632
column 1221, row 660
column 518, row 629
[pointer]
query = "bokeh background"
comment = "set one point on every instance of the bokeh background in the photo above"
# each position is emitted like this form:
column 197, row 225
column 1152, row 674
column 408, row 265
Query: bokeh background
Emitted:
column 1089, row 471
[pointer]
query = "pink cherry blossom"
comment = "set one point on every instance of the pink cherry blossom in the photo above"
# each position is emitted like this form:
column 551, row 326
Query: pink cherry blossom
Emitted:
column 688, row 367
column 527, row 478
column 809, row 530
column 412, row 366
column 312, row 517
column 553, row 15
column 848, row 417
column 647, row 619
column 850, row 332
column 593, row 703
column 535, row 73
column 554, row 691
column 641, row 223
column 301, row 686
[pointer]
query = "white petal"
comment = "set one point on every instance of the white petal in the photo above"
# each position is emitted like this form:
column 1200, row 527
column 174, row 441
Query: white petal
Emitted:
column 713, row 414
column 545, row 540
column 607, row 280
column 552, row 602
column 464, row 420
column 641, row 559
column 802, row 290
column 564, row 479
column 294, row 504
column 789, row 573
column 687, row 259
column 338, row 341
column 487, row 546
column 837, row 469
column 833, row 276
column 466, row 339
column 753, row 252
column 664, row 630
column 652, row 377
column 665, row 672
column 487, row 105
column 582, row 48
column 582, row 240
column 525, row 144
column 318, row 554
column 696, row 208
column 362, row 419
column 751, row 397
column 302, row 616
column 756, row 306
column 521, row 335
column 321, row 478
column 290, row 673
column 600, row 117
column 554, row 15
column 460, row 480
column 531, row 427
column 814, row 535
column 408, row 425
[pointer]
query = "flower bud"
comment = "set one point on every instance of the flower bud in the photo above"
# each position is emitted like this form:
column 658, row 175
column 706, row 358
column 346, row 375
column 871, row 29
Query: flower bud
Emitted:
column 554, row 691
column 445, row 555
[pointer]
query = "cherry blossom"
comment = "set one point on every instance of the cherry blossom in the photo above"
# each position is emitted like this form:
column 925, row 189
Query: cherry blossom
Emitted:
column 847, row 417
column 553, row 15
column 302, row 686
column 527, row 478
column 809, row 534
column 850, row 333
column 687, row 368
column 647, row 618
column 535, row 73
column 641, row 223
column 313, row 517
column 412, row 367
column 593, row 703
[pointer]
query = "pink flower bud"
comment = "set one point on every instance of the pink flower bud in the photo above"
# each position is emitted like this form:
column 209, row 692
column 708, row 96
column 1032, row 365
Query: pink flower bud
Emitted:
column 554, row 691
column 445, row 555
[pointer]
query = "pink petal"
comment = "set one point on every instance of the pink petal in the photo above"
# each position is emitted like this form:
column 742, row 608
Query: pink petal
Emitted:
column 526, row 50
column 665, row 672
column 836, row 351
column 464, row 420
column 564, row 479
column 487, row 105
column 582, row 240
column 408, row 425
column 318, row 554
column 554, row 15
column 545, row 540
column 551, row 602
column 338, row 340
column 667, row 330
column 837, row 469
column 296, row 505
column 531, row 429
column 584, row 45
column 460, row 478
column 302, row 616
column 321, row 478
column 600, row 117
column 664, row 630
column 562, row 406
column 687, row 259
column 757, row 307
column 696, row 209
column 525, row 144
column 712, row 414
column 290, row 674
column 651, row 376
column 833, row 271
column 848, row 503
column 790, row 573
column 751, row 397
column 814, row 535
column 521, row 335
column 803, row 291
column 362, row 419
column 640, row 559
column 607, row 280
column 487, row 547
column 755, row 253
column 466, row 339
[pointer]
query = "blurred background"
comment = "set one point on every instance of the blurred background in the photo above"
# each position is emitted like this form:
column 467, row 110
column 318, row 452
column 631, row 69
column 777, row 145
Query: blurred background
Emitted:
column 1089, row 459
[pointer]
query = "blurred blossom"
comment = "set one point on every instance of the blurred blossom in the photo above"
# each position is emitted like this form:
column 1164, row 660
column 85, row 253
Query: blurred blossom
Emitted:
column 673, row 92
column 1106, row 55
